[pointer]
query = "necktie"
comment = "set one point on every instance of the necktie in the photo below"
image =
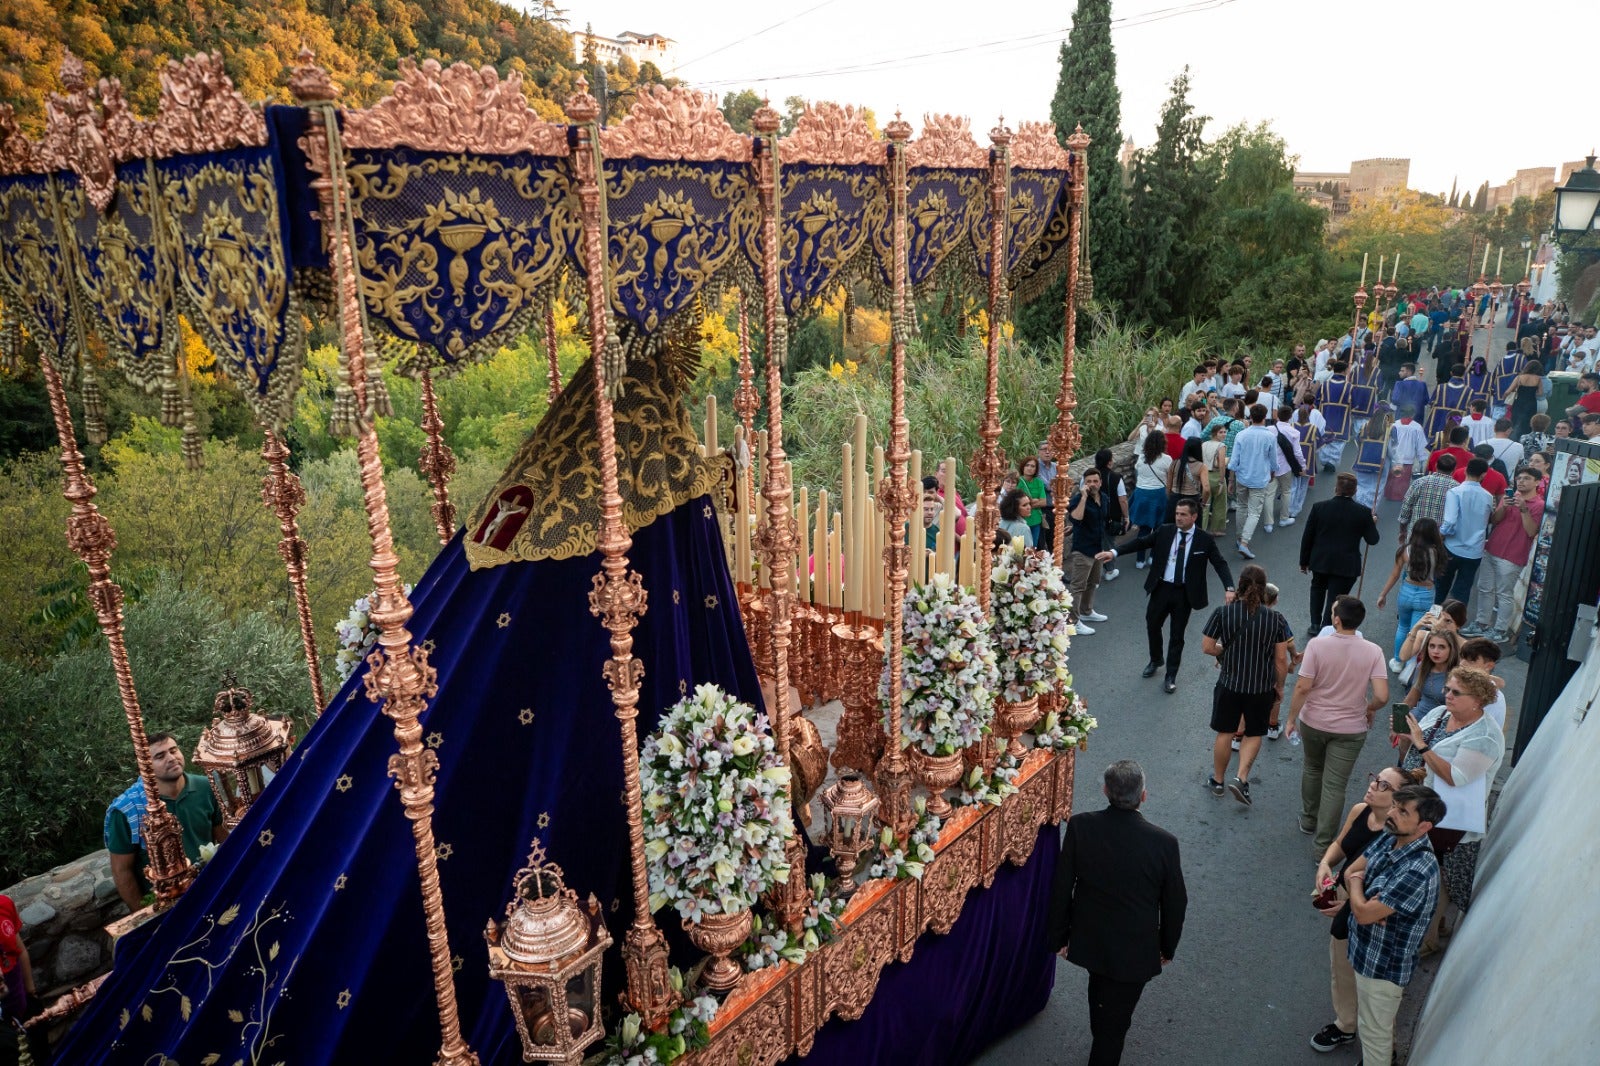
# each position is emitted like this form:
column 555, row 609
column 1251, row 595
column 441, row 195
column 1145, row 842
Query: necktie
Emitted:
column 1177, row 566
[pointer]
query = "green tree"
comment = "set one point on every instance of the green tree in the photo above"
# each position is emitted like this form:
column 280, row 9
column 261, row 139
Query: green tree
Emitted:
column 1480, row 203
column 1169, row 199
column 739, row 108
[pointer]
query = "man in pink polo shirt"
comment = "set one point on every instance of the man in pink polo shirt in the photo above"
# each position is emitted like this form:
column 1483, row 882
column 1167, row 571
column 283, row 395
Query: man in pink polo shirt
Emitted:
column 1334, row 714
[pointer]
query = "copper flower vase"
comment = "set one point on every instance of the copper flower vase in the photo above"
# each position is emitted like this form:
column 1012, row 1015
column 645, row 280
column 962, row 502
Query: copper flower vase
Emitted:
column 1011, row 720
column 718, row 935
column 936, row 773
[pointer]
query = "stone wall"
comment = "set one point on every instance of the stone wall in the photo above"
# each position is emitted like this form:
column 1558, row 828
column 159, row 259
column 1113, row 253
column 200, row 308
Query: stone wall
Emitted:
column 64, row 913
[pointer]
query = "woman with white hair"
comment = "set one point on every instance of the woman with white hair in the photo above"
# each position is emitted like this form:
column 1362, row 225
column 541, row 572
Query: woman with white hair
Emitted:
column 1320, row 356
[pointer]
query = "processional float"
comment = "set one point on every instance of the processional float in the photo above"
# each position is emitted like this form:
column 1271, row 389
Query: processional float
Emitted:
column 450, row 217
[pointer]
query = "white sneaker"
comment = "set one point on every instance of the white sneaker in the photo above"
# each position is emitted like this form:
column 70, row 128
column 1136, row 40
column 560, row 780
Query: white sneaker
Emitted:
column 1268, row 527
column 1395, row 665
column 1083, row 631
column 1094, row 616
column 1287, row 521
column 1274, row 732
column 1109, row 575
column 1140, row 564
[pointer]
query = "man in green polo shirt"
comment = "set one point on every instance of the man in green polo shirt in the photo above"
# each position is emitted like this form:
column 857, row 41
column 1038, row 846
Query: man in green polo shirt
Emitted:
column 187, row 796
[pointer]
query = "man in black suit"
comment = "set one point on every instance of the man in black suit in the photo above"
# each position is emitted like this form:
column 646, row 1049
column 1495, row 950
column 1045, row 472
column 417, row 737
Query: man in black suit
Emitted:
column 1117, row 905
column 1330, row 548
column 1176, row 582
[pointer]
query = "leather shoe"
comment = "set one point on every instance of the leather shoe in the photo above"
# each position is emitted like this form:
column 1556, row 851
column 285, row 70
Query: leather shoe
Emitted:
column 1150, row 669
column 1171, row 685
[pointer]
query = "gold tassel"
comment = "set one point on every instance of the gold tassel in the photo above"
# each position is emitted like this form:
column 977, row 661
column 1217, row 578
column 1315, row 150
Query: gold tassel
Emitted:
column 379, row 405
column 616, row 364
column 346, row 420
column 94, row 409
column 171, row 403
column 194, row 456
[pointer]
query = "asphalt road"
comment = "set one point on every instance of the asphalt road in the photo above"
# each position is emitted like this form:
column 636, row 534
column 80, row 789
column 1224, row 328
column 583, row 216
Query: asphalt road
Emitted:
column 1250, row 982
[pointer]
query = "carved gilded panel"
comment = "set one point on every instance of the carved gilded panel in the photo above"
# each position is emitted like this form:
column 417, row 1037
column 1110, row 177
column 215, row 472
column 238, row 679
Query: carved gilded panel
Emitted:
column 457, row 252
column 954, row 872
column 760, row 1035
column 829, row 210
column 36, row 267
column 852, row 964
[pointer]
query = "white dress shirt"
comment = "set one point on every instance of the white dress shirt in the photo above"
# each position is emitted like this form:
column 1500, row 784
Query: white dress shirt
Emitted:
column 1182, row 541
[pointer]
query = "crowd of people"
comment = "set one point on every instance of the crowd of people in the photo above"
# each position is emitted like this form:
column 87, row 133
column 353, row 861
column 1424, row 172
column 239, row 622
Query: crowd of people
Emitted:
column 1468, row 462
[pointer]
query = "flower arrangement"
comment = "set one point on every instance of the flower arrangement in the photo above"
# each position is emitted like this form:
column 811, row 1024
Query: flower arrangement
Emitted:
column 716, row 806
column 767, row 947
column 908, row 858
column 688, row 1029
column 1068, row 728
column 992, row 789
column 949, row 675
column 1032, row 624
column 357, row 635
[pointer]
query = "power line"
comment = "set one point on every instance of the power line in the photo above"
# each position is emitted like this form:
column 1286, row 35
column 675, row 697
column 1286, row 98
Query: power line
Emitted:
column 998, row 45
column 752, row 36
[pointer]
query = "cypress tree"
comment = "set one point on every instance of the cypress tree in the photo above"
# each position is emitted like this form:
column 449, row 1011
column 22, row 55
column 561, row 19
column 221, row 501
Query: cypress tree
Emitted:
column 1171, row 193
column 1481, row 204
column 1087, row 94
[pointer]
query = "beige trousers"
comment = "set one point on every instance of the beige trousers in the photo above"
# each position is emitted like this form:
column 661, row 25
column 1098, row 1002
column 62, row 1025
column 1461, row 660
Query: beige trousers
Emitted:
column 1377, row 1004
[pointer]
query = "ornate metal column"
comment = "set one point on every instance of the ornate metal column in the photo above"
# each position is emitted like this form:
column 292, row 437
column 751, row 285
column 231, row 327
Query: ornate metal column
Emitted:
column 618, row 597
column 437, row 461
column 92, row 539
column 399, row 678
column 550, row 347
column 894, row 772
column 283, row 494
column 745, row 398
column 1066, row 436
column 777, row 538
column 989, row 462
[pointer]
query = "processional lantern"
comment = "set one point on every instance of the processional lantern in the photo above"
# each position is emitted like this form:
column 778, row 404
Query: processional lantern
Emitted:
column 851, row 813
column 242, row 750
column 548, row 955
column 1578, row 203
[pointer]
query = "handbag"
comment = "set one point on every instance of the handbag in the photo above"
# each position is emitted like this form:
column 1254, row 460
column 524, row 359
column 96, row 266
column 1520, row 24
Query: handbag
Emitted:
column 1465, row 805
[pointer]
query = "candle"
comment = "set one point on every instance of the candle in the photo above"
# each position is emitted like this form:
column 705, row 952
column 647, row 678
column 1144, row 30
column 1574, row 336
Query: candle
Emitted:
column 947, row 521
column 802, row 568
column 1483, row 267
column 1499, row 260
column 711, row 425
column 966, row 559
column 859, row 533
column 1363, row 282
column 1528, row 266
column 819, row 548
column 1394, row 272
column 834, row 574
column 1381, row 258
column 847, row 531
column 914, row 483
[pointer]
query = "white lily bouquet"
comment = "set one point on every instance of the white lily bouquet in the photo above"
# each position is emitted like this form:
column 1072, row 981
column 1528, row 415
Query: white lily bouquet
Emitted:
column 357, row 634
column 716, row 806
column 949, row 674
column 1068, row 728
column 1032, row 625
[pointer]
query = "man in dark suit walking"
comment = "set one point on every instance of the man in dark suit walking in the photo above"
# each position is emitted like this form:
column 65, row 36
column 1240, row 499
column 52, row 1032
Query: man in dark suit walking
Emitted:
column 1179, row 553
column 1330, row 548
column 1117, row 905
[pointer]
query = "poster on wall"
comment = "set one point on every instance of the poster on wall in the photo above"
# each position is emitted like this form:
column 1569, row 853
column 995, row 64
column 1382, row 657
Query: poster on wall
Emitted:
column 1576, row 463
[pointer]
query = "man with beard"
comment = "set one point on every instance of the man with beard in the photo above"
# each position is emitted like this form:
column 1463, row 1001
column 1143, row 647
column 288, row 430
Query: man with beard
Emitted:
column 187, row 796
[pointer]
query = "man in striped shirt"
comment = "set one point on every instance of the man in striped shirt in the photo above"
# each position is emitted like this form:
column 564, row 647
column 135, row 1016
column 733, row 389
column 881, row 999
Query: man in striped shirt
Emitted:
column 1251, row 644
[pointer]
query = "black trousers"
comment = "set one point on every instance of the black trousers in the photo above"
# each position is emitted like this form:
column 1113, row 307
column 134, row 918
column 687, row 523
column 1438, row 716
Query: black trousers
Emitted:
column 1325, row 588
column 1168, row 604
column 1111, row 1004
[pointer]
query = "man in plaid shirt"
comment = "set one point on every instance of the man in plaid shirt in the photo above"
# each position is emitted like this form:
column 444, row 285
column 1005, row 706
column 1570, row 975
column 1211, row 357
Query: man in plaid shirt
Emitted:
column 1425, row 497
column 1394, row 888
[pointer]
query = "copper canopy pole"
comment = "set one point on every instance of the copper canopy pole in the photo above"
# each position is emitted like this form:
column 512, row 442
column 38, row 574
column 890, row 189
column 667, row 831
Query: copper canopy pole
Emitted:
column 618, row 597
column 399, row 678
column 777, row 537
column 92, row 539
column 437, row 461
column 746, row 401
column 989, row 464
column 283, row 494
column 1066, row 436
column 893, row 779
column 550, row 349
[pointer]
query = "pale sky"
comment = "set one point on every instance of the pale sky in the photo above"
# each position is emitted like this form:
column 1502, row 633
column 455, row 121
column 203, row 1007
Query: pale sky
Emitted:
column 1468, row 89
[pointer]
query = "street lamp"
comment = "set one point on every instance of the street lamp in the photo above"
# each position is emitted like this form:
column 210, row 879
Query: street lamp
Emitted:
column 1578, row 204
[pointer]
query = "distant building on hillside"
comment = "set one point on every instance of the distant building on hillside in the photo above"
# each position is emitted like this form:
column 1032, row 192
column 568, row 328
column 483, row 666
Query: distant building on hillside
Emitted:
column 1372, row 178
column 1567, row 170
column 1532, row 181
column 642, row 48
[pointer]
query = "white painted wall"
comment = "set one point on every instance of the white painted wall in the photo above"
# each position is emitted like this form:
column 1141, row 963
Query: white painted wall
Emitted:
column 1521, row 980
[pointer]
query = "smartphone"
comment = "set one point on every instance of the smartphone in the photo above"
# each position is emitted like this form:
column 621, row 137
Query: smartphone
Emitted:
column 1398, row 713
column 1434, row 613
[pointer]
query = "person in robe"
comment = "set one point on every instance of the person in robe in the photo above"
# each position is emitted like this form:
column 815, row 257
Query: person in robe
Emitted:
column 1372, row 463
column 1506, row 368
column 1333, row 400
column 1453, row 397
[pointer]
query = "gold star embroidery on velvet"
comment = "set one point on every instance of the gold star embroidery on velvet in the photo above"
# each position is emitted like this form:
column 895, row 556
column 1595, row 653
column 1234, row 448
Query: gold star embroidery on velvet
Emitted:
column 343, row 999
column 456, row 962
column 265, row 839
column 344, row 783
column 711, row 603
column 675, row 597
column 339, row 883
column 504, row 619
column 683, row 687
column 429, row 646
column 435, row 740
column 444, row 851
column 350, row 696
column 544, row 820
column 525, row 716
column 706, row 510
column 615, row 904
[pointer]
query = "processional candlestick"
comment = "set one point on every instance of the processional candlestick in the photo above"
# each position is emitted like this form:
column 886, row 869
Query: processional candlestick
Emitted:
column 618, row 597
column 989, row 463
column 894, row 771
column 1066, row 435
column 777, row 537
column 399, row 678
